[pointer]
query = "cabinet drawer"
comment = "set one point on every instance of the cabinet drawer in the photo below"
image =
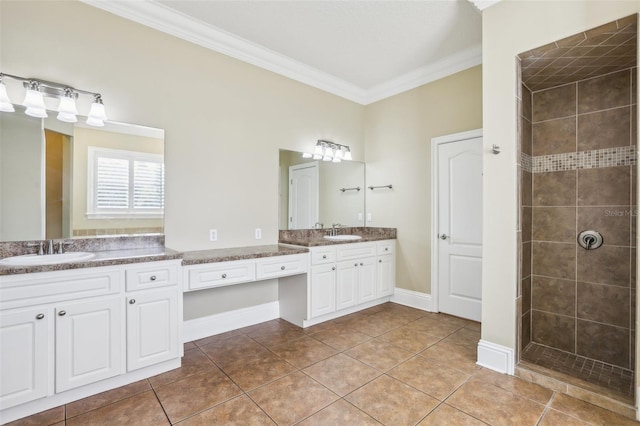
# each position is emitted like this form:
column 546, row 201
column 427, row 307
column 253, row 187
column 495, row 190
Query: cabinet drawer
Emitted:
column 47, row 287
column 281, row 266
column 151, row 276
column 386, row 247
column 355, row 251
column 220, row 274
column 320, row 255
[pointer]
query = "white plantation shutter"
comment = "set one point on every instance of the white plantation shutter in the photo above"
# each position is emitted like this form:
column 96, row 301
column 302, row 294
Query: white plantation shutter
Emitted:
column 124, row 184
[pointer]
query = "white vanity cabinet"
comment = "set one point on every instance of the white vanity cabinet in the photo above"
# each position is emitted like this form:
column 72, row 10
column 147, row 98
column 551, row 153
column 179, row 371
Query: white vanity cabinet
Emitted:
column 65, row 334
column 348, row 275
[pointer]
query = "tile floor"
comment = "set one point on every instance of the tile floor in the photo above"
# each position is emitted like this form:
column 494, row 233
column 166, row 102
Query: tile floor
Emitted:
column 388, row 365
column 618, row 382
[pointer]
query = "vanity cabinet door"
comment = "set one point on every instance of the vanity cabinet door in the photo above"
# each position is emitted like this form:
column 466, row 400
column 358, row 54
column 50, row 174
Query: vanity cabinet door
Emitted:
column 367, row 280
column 386, row 275
column 88, row 342
column 323, row 290
column 347, row 284
column 24, row 356
column 152, row 328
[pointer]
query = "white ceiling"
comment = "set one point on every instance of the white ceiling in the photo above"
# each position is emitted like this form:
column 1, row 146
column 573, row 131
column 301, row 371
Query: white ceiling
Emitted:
column 361, row 50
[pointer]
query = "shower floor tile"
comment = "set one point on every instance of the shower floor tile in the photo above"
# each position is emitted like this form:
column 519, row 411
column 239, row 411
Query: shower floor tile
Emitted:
column 616, row 381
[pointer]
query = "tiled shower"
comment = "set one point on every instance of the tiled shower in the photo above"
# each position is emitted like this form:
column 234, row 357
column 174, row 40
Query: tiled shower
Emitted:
column 577, row 138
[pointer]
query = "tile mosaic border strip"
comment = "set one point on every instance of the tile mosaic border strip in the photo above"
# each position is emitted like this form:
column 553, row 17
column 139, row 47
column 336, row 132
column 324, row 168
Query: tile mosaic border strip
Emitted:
column 597, row 158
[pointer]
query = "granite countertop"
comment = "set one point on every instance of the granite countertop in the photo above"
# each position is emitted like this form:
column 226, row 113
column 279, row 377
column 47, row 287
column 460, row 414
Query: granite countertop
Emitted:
column 238, row 253
column 315, row 237
column 102, row 258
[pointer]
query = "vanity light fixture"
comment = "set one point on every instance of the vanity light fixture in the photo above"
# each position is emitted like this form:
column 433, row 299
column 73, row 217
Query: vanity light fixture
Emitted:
column 36, row 90
column 329, row 151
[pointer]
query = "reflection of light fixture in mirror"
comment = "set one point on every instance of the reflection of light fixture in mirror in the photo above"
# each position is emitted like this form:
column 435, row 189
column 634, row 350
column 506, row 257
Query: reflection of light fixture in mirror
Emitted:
column 329, row 151
column 5, row 102
column 36, row 90
column 67, row 110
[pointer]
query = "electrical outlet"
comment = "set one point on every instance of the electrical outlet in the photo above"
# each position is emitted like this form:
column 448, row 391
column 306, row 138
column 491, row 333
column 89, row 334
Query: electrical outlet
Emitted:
column 369, row 219
column 213, row 235
column 360, row 217
column 258, row 233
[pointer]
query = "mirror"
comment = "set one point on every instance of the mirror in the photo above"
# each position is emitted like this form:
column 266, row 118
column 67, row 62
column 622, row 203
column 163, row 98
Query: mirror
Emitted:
column 312, row 191
column 66, row 180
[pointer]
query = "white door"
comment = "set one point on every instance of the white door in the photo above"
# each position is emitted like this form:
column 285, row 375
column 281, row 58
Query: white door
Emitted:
column 367, row 280
column 88, row 342
column 303, row 196
column 323, row 290
column 24, row 356
column 152, row 328
column 460, row 227
column 385, row 275
column 347, row 284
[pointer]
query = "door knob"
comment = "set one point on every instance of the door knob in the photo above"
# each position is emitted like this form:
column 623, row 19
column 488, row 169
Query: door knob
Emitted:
column 444, row 236
column 132, row 301
column 62, row 313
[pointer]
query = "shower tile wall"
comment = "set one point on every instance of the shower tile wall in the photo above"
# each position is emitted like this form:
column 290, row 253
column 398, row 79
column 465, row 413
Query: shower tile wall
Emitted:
column 583, row 158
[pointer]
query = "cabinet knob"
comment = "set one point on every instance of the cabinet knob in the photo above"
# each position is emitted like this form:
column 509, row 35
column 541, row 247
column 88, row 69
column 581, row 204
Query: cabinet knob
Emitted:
column 153, row 278
column 62, row 313
column 132, row 301
column 333, row 269
column 386, row 249
column 39, row 316
column 361, row 264
column 282, row 268
column 224, row 275
column 379, row 260
column 324, row 256
column 355, row 264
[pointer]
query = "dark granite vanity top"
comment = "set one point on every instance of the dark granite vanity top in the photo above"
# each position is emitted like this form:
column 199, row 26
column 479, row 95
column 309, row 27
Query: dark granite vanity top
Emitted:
column 315, row 237
column 238, row 253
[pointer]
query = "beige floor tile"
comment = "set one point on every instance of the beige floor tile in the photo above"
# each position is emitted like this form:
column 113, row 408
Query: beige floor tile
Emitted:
column 432, row 378
column 588, row 412
column 339, row 413
column 193, row 362
column 379, row 354
column 465, row 337
column 249, row 373
column 292, row 398
column 267, row 327
column 445, row 415
column 231, row 351
column 556, row 418
column 515, row 385
column 319, row 327
column 376, row 325
column 452, row 320
column 303, row 352
column 434, row 327
column 342, row 374
column 105, row 398
column 47, row 417
column 460, row 357
column 391, row 402
column 217, row 338
column 278, row 337
column 239, row 411
column 495, row 405
column 341, row 338
column 188, row 345
column 141, row 409
column 407, row 338
column 472, row 325
column 196, row 393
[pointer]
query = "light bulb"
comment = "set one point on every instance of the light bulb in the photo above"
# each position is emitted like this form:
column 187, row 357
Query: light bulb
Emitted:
column 347, row 155
column 36, row 112
column 67, row 108
column 67, row 118
column 328, row 152
column 306, row 155
column 317, row 157
column 318, row 150
column 336, row 160
column 338, row 154
column 5, row 102
column 327, row 158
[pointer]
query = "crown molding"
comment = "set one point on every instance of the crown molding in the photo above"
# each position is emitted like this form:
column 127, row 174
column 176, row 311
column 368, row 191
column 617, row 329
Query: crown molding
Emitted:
column 450, row 65
column 483, row 4
column 164, row 19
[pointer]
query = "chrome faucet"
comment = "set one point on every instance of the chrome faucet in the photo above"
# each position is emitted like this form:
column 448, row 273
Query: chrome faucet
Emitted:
column 40, row 246
column 335, row 227
column 318, row 225
column 50, row 247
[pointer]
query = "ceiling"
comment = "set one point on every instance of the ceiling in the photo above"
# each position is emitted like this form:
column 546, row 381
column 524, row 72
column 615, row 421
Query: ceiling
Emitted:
column 361, row 50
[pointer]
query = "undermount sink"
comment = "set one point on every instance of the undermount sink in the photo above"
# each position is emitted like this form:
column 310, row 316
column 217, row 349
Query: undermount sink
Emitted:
column 46, row 259
column 342, row 237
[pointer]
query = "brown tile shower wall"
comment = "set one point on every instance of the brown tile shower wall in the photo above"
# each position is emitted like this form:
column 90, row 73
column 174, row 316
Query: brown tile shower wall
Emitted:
column 582, row 301
column 526, row 197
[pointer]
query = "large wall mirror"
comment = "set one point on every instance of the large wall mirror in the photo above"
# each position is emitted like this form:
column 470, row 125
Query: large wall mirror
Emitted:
column 66, row 180
column 324, row 192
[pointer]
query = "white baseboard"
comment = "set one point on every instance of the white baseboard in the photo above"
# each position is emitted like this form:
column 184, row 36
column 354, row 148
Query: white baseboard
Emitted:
column 496, row 357
column 412, row 298
column 219, row 323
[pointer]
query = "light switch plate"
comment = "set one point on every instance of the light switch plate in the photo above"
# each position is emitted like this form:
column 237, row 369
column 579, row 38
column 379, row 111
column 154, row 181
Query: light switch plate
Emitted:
column 258, row 233
column 213, row 235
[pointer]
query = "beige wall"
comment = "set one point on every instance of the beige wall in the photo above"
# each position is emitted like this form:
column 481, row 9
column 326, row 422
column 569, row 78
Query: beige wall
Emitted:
column 509, row 28
column 398, row 152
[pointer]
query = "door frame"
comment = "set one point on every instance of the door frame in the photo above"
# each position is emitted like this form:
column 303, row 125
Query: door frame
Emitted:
column 315, row 165
column 435, row 267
